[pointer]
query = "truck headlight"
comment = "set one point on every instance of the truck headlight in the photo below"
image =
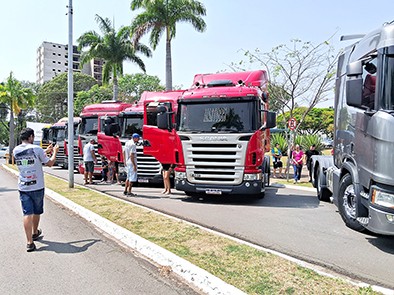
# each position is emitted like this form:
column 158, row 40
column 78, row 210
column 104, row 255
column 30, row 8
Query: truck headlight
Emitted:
column 180, row 175
column 251, row 177
column 382, row 198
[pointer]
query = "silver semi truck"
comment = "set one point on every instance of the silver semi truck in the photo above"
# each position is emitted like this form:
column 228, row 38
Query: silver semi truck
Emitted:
column 359, row 177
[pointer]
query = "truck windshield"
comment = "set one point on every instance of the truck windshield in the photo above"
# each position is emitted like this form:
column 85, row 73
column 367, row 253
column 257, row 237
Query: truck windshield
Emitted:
column 88, row 126
column 132, row 125
column 75, row 130
column 224, row 116
column 386, row 85
column 59, row 134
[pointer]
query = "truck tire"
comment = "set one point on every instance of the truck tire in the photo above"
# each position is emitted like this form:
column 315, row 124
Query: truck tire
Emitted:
column 323, row 194
column 347, row 203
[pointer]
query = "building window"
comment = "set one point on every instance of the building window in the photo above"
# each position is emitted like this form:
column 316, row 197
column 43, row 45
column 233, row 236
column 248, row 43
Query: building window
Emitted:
column 66, row 56
column 54, row 53
column 54, row 61
column 66, row 64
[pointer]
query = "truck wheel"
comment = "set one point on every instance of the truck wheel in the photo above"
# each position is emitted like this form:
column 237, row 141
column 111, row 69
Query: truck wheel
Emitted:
column 347, row 203
column 323, row 194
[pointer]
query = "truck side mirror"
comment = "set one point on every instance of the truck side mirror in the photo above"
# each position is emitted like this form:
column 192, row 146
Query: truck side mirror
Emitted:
column 354, row 92
column 163, row 121
column 271, row 120
column 112, row 129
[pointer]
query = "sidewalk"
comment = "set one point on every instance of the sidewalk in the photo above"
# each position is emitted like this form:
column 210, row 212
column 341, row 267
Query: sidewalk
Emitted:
column 72, row 257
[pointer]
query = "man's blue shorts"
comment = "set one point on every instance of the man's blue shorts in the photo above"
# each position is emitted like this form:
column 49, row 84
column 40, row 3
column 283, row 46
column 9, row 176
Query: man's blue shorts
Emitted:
column 32, row 202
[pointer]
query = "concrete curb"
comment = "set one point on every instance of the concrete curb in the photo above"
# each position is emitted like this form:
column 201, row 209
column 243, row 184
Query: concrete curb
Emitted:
column 196, row 276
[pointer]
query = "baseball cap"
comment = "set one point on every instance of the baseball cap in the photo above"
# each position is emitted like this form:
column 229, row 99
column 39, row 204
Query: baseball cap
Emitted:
column 135, row 135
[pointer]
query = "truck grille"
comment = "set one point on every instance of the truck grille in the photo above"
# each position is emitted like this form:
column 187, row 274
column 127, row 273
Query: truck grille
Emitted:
column 60, row 156
column 148, row 166
column 214, row 162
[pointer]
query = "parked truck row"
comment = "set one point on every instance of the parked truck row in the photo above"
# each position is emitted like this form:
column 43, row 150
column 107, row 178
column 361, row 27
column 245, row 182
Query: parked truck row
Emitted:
column 217, row 133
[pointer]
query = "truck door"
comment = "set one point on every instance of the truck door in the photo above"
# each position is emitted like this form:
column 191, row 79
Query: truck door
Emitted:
column 108, row 141
column 159, row 143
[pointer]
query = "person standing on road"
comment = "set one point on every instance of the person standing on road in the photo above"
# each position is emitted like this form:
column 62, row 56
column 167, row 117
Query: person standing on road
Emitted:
column 298, row 155
column 29, row 159
column 166, row 171
column 89, row 159
column 130, row 161
column 308, row 159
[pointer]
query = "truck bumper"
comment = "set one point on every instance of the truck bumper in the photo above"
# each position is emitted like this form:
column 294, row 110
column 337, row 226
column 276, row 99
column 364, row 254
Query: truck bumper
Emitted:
column 245, row 188
column 156, row 179
column 379, row 221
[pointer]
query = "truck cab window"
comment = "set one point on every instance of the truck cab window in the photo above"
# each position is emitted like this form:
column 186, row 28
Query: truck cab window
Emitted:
column 369, row 84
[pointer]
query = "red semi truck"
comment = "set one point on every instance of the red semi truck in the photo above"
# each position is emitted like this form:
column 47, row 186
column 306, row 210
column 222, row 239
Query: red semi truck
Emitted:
column 131, row 121
column 217, row 134
column 92, row 122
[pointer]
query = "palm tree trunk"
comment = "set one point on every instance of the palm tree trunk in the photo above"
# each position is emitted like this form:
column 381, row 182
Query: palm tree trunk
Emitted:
column 168, row 62
column 115, row 88
column 115, row 81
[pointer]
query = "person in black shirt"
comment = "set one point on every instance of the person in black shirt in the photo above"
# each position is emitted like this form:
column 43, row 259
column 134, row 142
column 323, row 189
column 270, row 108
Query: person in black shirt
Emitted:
column 308, row 159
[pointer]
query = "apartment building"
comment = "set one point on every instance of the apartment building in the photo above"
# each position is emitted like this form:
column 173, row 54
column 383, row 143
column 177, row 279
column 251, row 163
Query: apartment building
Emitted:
column 52, row 60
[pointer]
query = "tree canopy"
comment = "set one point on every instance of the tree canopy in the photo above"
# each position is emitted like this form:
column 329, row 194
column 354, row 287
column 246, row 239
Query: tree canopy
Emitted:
column 114, row 47
column 132, row 86
column 317, row 121
column 52, row 97
column 14, row 97
column 161, row 17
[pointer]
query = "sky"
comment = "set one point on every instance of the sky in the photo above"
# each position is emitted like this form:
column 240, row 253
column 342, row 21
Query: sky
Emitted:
column 232, row 26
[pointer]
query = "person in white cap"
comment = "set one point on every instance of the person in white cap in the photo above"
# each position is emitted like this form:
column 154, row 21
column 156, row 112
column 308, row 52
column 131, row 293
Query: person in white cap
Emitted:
column 130, row 161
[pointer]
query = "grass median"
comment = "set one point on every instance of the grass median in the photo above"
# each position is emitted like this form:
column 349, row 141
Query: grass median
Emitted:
column 249, row 269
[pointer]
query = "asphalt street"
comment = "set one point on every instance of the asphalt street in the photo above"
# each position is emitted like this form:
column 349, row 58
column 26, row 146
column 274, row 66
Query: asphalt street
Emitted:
column 72, row 257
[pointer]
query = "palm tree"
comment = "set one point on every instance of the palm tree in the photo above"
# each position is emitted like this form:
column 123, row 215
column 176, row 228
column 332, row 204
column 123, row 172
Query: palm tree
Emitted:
column 113, row 48
column 15, row 97
column 162, row 16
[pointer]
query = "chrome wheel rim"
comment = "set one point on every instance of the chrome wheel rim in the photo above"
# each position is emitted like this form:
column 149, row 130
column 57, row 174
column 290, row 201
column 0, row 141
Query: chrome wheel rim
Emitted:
column 349, row 198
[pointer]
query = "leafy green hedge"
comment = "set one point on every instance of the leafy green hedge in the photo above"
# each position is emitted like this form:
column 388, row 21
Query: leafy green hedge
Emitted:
column 305, row 141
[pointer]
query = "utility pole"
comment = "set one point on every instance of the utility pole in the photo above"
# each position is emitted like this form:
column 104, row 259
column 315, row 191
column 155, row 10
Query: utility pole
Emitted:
column 70, row 103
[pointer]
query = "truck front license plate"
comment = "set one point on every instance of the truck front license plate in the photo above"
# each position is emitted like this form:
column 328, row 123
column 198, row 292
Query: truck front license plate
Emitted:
column 213, row 192
column 143, row 180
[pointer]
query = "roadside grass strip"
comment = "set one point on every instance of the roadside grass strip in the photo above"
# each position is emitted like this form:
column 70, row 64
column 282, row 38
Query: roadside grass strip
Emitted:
column 248, row 269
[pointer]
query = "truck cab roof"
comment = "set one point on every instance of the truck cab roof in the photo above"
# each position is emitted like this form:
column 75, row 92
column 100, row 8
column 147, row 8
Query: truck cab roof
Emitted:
column 105, row 108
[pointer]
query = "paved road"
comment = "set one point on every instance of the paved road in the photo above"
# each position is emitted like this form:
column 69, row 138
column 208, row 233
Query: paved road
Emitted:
column 72, row 256
column 287, row 220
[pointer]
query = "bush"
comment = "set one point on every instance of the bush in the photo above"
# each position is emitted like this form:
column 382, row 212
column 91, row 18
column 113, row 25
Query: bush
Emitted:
column 279, row 138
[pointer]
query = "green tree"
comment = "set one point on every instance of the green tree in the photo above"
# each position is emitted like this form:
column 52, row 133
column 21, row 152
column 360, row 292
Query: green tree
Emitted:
column 112, row 47
column 317, row 121
column 132, row 86
column 161, row 16
column 96, row 94
column 15, row 98
column 52, row 97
